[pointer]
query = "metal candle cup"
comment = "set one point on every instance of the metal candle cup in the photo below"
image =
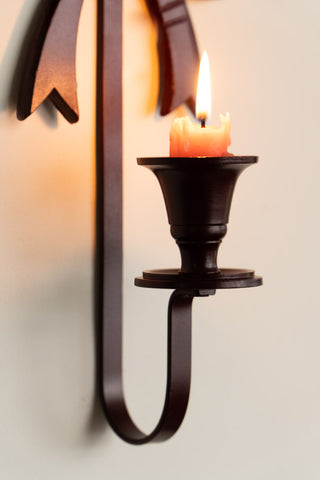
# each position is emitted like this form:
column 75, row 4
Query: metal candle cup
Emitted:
column 198, row 193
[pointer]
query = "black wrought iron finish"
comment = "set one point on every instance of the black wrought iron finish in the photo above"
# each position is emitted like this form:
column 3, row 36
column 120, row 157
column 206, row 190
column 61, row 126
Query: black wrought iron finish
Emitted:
column 178, row 374
column 49, row 66
column 197, row 191
column 178, row 52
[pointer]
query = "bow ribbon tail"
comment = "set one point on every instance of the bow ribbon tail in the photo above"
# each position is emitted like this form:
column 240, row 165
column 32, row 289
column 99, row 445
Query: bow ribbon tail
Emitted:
column 50, row 70
column 178, row 54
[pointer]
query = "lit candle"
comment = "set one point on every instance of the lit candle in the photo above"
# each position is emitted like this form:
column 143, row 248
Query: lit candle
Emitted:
column 189, row 139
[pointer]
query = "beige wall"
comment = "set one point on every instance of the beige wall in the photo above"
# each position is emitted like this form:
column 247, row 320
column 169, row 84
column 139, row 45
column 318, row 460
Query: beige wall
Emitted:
column 255, row 401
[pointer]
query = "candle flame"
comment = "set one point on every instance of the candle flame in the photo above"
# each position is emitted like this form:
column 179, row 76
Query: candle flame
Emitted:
column 203, row 103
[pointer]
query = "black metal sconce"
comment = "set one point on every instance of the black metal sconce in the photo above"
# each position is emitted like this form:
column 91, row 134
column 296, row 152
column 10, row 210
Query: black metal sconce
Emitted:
column 197, row 194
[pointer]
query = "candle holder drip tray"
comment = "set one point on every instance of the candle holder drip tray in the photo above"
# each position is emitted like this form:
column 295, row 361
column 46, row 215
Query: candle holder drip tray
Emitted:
column 200, row 286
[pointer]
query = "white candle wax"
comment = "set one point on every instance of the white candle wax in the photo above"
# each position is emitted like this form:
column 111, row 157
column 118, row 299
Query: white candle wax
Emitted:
column 189, row 139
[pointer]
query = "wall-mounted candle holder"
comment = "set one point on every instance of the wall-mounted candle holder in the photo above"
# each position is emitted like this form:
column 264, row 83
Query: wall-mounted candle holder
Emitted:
column 197, row 191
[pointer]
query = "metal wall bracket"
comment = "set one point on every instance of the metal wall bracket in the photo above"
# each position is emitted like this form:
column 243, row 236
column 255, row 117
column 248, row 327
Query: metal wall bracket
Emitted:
column 50, row 72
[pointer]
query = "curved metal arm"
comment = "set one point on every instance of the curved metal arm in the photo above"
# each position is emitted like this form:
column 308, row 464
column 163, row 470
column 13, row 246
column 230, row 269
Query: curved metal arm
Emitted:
column 178, row 374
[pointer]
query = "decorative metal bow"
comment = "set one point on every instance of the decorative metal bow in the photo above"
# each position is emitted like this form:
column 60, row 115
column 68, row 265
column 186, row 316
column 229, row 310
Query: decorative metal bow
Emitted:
column 50, row 65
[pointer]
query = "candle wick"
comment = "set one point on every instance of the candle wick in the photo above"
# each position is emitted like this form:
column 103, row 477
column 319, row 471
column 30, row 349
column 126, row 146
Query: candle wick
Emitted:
column 203, row 122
